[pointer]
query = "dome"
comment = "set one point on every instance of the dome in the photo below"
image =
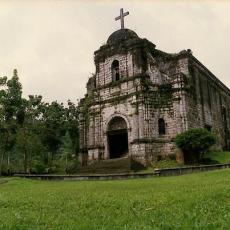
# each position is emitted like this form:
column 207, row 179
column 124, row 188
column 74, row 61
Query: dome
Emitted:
column 121, row 35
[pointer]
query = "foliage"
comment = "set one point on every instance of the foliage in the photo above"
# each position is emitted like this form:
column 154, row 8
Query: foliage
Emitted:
column 165, row 163
column 196, row 201
column 32, row 132
column 195, row 143
column 38, row 167
column 10, row 115
column 53, row 128
column 72, row 113
column 219, row 157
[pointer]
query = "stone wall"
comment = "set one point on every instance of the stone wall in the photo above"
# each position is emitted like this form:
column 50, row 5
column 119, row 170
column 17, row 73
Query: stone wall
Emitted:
column 206, row 101
column 126, row 68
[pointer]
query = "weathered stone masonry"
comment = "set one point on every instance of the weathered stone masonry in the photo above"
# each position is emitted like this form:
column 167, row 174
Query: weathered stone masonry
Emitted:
column 145, row 97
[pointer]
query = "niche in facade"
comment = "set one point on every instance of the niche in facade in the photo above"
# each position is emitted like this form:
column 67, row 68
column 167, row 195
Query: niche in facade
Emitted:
column 115, row 70
column 161, row 126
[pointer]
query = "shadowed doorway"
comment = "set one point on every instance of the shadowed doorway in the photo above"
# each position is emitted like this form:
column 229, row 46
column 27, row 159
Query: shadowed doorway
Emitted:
column 117, row 138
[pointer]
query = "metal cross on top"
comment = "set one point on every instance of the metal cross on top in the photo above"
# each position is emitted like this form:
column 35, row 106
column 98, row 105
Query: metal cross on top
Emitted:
column 121, row 17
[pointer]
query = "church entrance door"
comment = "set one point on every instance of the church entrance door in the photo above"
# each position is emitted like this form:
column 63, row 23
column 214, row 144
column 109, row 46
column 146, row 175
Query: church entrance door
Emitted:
column 117, row 136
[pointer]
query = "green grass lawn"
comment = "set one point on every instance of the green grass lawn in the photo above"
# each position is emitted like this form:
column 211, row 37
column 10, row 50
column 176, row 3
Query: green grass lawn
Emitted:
column 196, row 201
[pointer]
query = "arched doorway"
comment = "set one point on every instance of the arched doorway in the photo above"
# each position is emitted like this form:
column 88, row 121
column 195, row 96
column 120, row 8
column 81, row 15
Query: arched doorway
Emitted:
column 117, row 136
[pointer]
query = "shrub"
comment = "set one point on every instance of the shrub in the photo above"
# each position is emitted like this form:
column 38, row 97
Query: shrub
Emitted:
column 194, row 143
column 38, row 167
column 72, row 166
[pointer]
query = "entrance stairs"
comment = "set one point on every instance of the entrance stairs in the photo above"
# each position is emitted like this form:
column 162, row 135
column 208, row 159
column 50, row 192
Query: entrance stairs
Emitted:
column 110, row 166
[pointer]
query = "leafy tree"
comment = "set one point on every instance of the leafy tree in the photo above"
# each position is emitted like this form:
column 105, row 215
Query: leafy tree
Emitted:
column 29, row 148
column 53, row 121
column 34, row 134
column 72, row 116
column 10, row 115
column 194, row 143
column 28, row 141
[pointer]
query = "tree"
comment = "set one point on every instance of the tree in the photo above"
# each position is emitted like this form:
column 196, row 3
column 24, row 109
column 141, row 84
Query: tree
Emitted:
column 195, row 143
column 72, row 116
column 53, row 129
column 28, row 142
column 33, row 133
column 10, row 114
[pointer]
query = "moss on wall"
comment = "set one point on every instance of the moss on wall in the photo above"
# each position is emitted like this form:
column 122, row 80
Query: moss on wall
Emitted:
column 84, row 108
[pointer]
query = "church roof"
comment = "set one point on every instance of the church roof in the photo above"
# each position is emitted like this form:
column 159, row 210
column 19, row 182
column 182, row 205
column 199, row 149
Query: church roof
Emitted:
column 120, row 36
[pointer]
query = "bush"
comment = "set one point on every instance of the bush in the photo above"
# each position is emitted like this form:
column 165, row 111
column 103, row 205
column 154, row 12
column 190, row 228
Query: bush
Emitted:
column 38, row 168
column 72, row 166
column 195, row 143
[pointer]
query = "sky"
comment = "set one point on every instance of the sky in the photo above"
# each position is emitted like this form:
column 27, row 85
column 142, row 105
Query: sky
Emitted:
column 52, row 42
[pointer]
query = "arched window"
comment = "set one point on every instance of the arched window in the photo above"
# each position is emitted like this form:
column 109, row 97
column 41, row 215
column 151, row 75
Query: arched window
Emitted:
column 161, row 126
column 115, row 70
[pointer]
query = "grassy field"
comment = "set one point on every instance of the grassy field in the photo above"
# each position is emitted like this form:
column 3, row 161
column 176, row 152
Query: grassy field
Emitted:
column 196, row 201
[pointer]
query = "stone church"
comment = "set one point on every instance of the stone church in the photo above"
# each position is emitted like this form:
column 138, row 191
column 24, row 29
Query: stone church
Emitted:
column 140, row 98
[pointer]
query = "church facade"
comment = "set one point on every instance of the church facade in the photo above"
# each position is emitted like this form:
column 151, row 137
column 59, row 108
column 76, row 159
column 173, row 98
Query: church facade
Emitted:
column 140, row 98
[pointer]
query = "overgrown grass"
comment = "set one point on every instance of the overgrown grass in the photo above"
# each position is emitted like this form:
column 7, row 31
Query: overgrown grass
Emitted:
column 197, row 201
column 212, row 157
column 219, row 156
column 166, row 163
